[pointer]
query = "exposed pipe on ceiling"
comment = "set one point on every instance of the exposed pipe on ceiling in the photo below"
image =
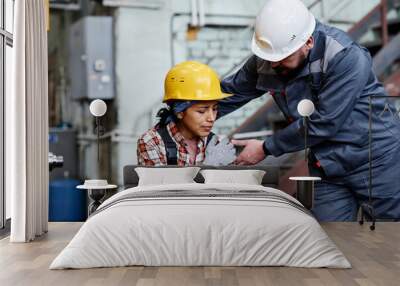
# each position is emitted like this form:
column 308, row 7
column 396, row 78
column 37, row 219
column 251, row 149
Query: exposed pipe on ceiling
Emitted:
column 194, row 13
column 202, row 17
column 197, row 13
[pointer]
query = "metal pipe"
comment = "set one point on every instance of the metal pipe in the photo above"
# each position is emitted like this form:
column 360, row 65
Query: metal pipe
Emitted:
column 313, row 4
column 194, row 21
column 98, row 138
column 305, row 123
column 338, row 8
column 6, row 34
column 123, row 139
column 144, row 4
column 384, row 24
column 202, row 18
column 250, row 135
column 322, row 10
column 386, row 56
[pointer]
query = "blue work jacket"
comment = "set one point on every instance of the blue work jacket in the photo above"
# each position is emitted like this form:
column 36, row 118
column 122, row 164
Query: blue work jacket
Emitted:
column 338, row 78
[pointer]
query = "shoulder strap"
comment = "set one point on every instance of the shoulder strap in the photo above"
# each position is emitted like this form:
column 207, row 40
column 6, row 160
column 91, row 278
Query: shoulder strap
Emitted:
column 170, row 146
column 209, row 138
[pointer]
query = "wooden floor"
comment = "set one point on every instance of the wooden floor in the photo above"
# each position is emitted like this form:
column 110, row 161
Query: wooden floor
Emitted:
column 375, row 257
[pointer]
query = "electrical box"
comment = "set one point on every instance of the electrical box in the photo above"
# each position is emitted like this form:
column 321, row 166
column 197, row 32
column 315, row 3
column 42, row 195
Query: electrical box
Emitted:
column 91, row 65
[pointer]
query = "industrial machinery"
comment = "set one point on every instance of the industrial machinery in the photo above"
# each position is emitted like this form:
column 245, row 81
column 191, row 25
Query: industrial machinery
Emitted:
column 91, row 64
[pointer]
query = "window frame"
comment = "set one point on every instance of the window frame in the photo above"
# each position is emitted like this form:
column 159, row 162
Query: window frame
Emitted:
column 6, row 39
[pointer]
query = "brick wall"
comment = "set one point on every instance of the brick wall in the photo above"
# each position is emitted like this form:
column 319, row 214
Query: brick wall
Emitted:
column 220, row 47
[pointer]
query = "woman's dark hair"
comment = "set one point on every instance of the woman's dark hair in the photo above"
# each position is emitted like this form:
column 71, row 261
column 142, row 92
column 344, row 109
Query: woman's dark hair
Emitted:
column 166, row 115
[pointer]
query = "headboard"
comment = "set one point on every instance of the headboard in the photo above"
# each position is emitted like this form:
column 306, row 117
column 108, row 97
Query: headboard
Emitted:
column 270, row 179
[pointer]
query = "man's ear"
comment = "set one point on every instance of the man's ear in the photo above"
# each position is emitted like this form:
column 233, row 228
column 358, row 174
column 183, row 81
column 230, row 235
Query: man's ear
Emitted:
column 310, row 43
column 179, row 115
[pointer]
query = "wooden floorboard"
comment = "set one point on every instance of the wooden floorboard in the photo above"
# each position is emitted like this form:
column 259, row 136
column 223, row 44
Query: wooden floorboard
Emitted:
column 374, row 255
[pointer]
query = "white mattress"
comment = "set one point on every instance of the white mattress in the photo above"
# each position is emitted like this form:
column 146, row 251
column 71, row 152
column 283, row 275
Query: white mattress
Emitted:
column 183, row 231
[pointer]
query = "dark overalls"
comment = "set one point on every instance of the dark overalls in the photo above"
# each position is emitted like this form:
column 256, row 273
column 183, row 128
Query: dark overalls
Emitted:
column 338, row 78
column 171, row 149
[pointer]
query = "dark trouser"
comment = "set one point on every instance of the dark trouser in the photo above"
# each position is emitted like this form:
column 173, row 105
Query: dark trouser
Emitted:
column 338, row 199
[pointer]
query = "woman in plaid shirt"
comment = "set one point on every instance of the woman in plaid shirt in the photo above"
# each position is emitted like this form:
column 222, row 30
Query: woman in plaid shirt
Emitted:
column 192, row 91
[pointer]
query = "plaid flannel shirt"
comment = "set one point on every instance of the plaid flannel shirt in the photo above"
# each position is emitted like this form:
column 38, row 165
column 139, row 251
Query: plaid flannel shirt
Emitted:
column 151, row 149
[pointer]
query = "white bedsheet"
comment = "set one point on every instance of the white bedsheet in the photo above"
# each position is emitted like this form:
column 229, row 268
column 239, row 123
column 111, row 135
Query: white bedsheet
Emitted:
column 200, row 231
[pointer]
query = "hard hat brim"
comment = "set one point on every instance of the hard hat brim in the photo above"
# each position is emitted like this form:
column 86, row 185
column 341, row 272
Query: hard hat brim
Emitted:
column 225, row 95
column 272, row 57
column 203, row 98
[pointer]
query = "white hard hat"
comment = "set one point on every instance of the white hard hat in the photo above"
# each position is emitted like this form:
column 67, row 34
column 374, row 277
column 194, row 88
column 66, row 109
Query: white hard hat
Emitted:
column 282, row 27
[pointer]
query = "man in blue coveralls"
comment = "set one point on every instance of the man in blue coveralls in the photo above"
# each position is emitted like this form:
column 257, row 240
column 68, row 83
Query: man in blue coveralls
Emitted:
column 296, row 57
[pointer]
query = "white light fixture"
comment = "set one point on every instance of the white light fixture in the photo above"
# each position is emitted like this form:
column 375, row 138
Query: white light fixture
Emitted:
column 305, row 185
column 305, row 108
column 98, row 108
column 97, row 188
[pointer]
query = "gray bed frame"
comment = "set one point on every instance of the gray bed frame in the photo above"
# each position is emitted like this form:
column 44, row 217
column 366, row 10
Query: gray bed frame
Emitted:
column 270, row 179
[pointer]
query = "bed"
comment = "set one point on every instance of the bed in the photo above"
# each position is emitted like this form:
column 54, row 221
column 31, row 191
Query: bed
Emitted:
column 201, row 224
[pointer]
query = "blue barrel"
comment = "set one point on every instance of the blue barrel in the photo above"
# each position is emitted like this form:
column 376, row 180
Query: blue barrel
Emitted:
column 66, row 202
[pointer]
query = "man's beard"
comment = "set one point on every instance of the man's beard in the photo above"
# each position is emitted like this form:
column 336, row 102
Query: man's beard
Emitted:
column 288, row 72
column 282, row 70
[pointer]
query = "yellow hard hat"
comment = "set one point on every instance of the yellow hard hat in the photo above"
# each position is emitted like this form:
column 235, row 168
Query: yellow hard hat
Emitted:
column 192, row 80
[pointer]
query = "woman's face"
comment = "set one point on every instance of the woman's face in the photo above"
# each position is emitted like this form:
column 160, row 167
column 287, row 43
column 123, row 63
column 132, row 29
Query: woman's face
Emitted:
column 199, row 119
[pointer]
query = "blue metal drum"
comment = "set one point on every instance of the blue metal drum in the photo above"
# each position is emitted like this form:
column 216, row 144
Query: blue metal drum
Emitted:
column 66, row 203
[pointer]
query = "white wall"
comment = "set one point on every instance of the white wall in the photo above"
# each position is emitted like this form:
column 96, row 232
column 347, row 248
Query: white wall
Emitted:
column 142, row 54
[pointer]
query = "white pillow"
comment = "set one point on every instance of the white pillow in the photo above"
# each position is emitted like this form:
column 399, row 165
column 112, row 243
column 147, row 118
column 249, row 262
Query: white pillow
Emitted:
column 165, row 176
column 248, row 177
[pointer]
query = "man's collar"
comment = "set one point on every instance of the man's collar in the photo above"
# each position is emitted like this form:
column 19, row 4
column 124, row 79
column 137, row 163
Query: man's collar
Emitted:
column 317, row 52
